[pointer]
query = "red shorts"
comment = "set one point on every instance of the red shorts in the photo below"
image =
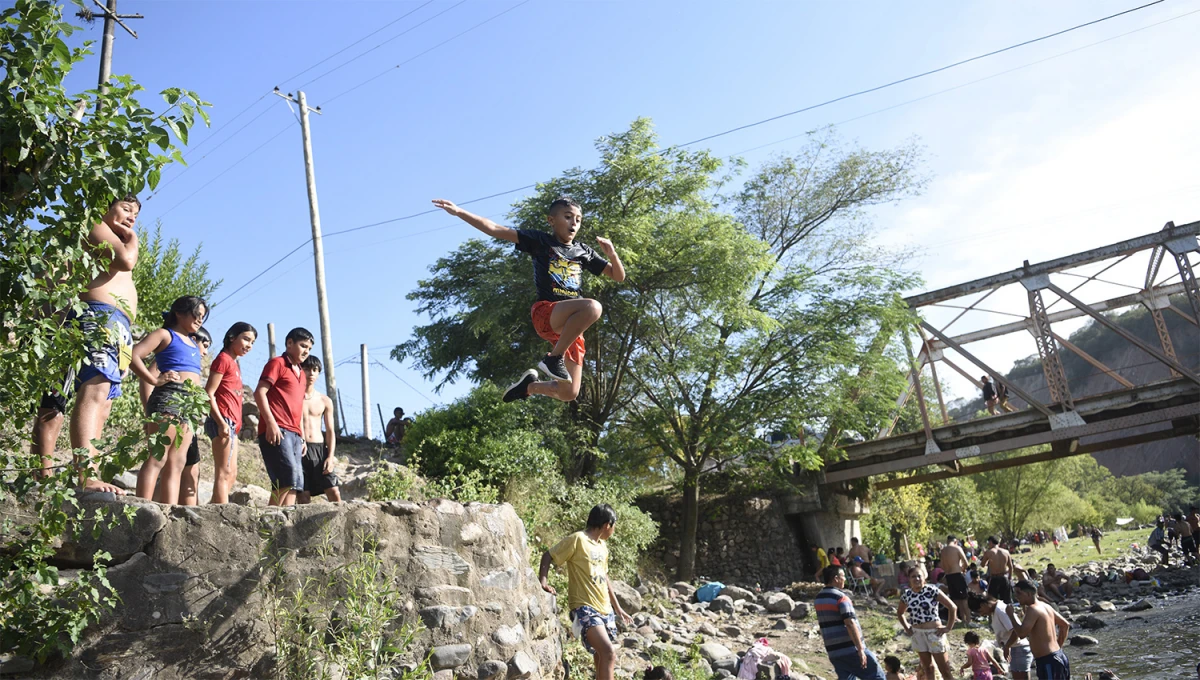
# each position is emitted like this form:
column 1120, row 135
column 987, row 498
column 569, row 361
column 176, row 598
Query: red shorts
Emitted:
column 541, row 325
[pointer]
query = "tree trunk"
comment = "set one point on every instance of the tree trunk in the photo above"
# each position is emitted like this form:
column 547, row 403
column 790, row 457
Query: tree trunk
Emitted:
column 691, row 520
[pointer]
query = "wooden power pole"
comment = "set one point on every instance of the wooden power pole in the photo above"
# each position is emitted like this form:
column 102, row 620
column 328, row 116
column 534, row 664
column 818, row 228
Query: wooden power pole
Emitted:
column 314, row 215
column 111, row 19
column 366, row 395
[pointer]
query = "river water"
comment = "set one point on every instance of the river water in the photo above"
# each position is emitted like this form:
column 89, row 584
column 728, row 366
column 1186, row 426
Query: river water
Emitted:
column 1163, row 642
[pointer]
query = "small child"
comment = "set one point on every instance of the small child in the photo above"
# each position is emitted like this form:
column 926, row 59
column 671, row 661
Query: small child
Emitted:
column 895, row 671
column 977, row 659
column 224, row 421
column 178, row 360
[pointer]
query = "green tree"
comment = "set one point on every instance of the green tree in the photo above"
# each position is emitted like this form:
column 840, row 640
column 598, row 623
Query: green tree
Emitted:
column 899, row 519
column 60, row 169
column 785, row 324
column 162, row 275
column 654, row 206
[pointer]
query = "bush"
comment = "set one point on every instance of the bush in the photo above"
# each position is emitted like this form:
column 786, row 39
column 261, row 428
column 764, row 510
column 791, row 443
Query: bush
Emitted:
column 391, row 482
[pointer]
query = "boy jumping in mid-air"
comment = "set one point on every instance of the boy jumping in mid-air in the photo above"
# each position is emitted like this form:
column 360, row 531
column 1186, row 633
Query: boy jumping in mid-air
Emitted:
column 561, row 313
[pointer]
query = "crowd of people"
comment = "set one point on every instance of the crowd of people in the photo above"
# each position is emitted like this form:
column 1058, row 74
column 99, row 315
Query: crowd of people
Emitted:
column 295, row 432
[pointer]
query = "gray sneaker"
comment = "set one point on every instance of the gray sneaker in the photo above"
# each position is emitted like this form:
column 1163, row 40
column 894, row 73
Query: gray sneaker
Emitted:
column 520, row 389
column 555, row 367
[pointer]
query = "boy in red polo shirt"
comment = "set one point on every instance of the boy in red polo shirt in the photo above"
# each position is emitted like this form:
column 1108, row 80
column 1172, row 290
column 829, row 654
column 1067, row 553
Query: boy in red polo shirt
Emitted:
column 280, row 399
column 561, row 313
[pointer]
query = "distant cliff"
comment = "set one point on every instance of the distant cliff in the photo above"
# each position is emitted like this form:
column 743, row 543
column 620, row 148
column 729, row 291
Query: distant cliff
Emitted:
column 1130, row 363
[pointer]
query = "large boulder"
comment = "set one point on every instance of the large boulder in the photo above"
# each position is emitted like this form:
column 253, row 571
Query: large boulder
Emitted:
column 1089, row 622
column 738, row 593
column 721, row 604
column 711, row 651
column 801, row 610
column 1084, row 641
column 627, row 596
column 684, row 588
column 197, row 586
column 1140, row 606
column 779, row 603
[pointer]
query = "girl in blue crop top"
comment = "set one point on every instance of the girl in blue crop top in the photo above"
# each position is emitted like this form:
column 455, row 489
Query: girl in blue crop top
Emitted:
column 178, row 360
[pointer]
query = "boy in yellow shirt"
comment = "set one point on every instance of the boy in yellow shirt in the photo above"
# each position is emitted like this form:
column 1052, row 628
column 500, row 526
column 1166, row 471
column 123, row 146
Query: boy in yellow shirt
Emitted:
column 594, row 607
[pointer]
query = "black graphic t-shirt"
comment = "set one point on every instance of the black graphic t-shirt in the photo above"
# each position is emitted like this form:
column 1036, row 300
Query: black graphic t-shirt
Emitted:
column 557, row 268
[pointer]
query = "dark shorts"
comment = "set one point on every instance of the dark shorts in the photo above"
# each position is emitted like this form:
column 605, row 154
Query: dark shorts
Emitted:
column 849, row 667
column 165, row 399
column 315, row 479
column 1053, row 666
column 1188, row 544
column 109, row 360
column 999, row 588
column 193, row 454
column 585, row 617
column 283, row 460
column 211, row 430
column 957, row 583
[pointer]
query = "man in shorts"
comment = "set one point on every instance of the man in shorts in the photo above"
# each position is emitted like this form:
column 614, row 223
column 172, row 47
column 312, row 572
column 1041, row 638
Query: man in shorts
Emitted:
column 999, row 569
column 111, row 306
column 594, row 607
column 280, row 400
column 989, row 394
column 1046, row 631
column 318, row 454
column 954, row 562
column 561, row 313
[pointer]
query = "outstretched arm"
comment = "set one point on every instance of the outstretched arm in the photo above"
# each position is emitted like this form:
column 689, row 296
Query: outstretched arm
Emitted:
column 481, row 223
column 615, row 270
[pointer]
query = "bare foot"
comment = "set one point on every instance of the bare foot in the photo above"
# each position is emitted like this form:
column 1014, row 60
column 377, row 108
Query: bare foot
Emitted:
column 95, row 485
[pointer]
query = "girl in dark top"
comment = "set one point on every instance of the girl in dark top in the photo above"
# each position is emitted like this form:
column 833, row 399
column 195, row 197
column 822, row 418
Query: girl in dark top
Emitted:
column 178, row 360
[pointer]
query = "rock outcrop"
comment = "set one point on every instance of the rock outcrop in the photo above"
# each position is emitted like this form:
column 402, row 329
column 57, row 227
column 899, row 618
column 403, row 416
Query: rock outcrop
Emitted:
column 195, row 602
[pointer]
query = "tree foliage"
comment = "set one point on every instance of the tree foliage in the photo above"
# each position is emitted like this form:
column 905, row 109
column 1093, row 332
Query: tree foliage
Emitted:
column 61, row 166
column 163, row 274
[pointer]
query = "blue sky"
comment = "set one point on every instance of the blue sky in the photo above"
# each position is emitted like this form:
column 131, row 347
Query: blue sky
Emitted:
column 1079, row 150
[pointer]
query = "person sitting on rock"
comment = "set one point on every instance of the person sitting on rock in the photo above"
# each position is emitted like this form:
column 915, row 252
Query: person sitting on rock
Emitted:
column 593, row 605
column 1056, row 583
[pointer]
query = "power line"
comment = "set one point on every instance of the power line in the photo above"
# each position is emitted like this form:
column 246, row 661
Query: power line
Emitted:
column 920, row 75
column 973, row 82
column 397, row 377
column 335, row 68
column 719, row 134
column 390, row 23
column 222, row 173
column 189, row 166
column 420, row 54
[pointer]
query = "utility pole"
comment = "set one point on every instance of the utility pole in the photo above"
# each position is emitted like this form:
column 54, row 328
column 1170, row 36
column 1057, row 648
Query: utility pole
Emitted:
column 111, row 19
column 366, row 381
column 271, row 340
column 314, row 216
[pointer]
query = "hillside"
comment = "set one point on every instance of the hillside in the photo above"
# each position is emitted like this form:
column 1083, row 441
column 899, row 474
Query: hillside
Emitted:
column 1130, row 363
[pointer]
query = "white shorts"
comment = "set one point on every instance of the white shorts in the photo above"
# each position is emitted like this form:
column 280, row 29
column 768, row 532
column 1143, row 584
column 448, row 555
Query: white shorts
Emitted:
column 928, row 640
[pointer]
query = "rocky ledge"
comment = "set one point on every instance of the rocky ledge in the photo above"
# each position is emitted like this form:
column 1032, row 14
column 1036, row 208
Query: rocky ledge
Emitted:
column 194, row 601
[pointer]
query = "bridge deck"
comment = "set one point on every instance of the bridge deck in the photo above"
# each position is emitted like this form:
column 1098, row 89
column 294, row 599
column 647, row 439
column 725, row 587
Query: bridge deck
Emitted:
column 1163, row 402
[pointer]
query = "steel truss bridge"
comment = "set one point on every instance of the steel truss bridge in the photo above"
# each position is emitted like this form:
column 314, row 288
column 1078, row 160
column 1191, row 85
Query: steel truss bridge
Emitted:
column 1061, row 425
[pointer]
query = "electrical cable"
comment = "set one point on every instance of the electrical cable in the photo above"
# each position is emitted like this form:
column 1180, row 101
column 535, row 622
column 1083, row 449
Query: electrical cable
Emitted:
column 222, row 173
column 335, row 68
column 919, row 75
column 726, row 132
column 420, row 54
column 397, row 376
column 390, row 23
column 189, row 166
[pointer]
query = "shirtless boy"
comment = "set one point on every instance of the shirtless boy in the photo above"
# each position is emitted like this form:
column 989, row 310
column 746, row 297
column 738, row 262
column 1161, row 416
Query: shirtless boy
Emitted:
column 1056, row 583
column 1046, row 631
column 111, row 300
column 561, row 313
column 318, row 447
column 954, row 562
column 1000, row 569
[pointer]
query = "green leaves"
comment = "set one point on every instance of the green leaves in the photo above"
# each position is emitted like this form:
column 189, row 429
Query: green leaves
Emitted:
column 58, row 176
